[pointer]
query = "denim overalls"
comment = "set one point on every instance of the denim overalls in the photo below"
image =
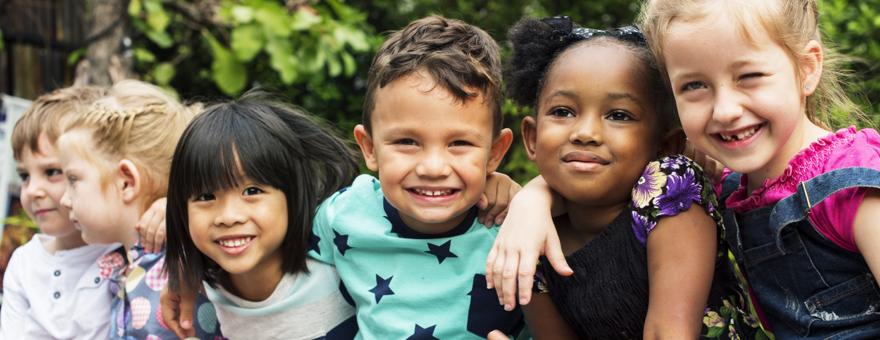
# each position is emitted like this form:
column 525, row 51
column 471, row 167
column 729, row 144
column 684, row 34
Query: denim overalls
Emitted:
column 807, row 286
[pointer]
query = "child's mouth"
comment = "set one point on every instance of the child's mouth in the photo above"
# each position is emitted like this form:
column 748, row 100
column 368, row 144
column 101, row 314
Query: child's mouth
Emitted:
column 433, row 193
column 234, row 246
column 742, row 135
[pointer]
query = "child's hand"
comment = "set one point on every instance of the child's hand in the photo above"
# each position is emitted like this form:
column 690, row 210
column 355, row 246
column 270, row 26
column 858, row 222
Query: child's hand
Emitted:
column 497, row 335
column 177, row 311
column 493, row 204
column 529, row 233
column 152, row 227
column 712, row 167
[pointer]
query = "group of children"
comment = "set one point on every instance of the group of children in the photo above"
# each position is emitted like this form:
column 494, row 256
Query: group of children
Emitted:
column 270, row 235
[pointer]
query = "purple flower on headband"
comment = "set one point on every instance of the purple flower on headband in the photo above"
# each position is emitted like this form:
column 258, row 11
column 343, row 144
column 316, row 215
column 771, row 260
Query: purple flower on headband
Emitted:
column 671, row 163
column 680, row 191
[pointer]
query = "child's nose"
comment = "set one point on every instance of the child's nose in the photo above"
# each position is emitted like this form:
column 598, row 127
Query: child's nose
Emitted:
column 433, row 164
column 586, row 130
column 230, row 213
column 66, row 201
column 34, row 189
column 727, row 106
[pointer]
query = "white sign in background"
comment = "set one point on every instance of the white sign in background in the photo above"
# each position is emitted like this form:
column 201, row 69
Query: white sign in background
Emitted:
column 13, row 107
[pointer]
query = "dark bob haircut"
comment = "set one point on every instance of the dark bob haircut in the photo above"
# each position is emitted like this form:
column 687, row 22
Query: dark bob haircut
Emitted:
column 264, row 141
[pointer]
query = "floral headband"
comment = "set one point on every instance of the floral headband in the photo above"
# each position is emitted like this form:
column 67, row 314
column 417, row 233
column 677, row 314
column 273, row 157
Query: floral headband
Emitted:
column 563, row 28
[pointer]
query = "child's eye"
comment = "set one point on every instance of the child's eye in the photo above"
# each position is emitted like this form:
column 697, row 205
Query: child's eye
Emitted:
column 619, row 115
column 561, row 112
column 405, row 141
column 693, row 86
column 71, row 179
column 460, row 143
column 205, row 197
column 53, row 172
column 24, row 176
column 752, row 75
column 252, row 191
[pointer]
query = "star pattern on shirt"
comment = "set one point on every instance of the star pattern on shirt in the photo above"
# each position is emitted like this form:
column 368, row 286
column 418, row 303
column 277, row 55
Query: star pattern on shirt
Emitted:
column 441, row 252
column 313, row 243
column 382, row 287
column 423, row 333
column 394, row 227
column 341, row 242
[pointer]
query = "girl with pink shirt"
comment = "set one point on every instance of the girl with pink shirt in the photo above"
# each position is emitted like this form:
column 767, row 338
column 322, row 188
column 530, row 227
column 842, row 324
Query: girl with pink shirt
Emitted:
column 755, row 86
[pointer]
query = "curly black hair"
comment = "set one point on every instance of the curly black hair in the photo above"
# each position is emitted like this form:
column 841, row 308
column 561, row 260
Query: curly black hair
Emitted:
column 536, row 45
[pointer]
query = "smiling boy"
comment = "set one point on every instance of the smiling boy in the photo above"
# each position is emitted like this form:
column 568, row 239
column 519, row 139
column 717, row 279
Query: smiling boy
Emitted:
column 410, row 252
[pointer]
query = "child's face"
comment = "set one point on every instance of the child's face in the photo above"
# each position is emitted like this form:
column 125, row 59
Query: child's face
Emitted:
column 596, row 127
column 241, row 228
column 739, row 102
column 91, row 207
column 432, row 152
column 42, row 187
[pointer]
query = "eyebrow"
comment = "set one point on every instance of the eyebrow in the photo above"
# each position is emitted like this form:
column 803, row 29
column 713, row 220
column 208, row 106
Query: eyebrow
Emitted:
column 610, row 96
column 461, row 134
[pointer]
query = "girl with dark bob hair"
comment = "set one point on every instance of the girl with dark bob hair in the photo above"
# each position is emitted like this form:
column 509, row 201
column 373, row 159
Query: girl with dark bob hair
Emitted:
column 246, row 179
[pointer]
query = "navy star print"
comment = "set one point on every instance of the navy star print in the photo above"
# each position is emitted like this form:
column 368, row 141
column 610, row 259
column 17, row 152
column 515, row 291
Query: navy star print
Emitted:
column 313, row 243
column 382, row 287
column 441, row 252
column 341, row 242
column 423, row 333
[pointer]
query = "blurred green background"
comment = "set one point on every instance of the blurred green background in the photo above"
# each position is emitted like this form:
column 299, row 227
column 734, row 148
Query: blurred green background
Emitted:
column 317, row 53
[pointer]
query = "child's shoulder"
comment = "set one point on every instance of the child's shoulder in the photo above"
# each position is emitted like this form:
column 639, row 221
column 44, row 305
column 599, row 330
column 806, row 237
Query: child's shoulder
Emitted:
column 853, row 148
column 670, row 176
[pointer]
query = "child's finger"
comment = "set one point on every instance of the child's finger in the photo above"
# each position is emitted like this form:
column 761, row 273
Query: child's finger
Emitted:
column 159, row 239
column 553, row 251
column 527, row 264
column 497, row 268
column 497, row 335
column 502, row 201
column 169, row 303
column 509, row 276
column 152, row 231
column 187, row 306
column 490, row 266
column 481, row 209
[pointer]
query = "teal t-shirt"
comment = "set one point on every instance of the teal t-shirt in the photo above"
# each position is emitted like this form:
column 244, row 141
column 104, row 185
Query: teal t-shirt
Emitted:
column 405, row 284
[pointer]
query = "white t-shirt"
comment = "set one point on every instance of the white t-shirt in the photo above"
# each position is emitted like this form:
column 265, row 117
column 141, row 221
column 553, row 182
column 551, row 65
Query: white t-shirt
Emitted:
column 61, row 296
column 303, row 306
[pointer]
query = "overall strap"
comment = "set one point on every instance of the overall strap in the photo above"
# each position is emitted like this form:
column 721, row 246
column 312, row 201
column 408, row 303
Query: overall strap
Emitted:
column 728, row 186
column 809, row 193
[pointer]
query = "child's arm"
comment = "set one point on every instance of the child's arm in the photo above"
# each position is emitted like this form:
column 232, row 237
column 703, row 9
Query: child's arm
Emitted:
column 152, row 227
column 528, row 233
column 177, row 310
column 681, row 260
column 866, row 229
column 493, row 204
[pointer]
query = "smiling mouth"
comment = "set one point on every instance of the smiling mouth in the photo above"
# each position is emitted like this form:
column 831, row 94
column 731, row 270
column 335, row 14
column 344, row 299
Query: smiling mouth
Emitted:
column 433, row 193
column 234, row 242
column 742, row 135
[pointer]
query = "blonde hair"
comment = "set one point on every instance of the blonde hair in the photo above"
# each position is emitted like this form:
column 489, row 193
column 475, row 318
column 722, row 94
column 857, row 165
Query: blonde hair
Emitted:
column 135, row 121
column 48, row 115
column 791, row 23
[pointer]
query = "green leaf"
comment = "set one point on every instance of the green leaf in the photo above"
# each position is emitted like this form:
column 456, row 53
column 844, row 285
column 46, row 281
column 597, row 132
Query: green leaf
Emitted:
column 144, row 55
column 349, row 63
column 134, row 8
column 228, row 73
column 1, row 40
column 157, row 19
column 163, row 73
column 354, row 37
column 303, row 19
column 243, row 14
column 281, row 59
column 74, row 56
column 160, row 38
column 714, row 332
column 334, row 67
column 247, row 41
column 274, row 19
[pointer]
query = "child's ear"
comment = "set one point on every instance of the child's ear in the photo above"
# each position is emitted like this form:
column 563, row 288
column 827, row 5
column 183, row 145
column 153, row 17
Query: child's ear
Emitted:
column 672, row 143
column 530, row 136
column 811, row 67
column 365, row 141
column 499, row 148
column 129, row 180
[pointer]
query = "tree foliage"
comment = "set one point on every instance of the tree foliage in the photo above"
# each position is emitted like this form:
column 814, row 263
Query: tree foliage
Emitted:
column 317, row 53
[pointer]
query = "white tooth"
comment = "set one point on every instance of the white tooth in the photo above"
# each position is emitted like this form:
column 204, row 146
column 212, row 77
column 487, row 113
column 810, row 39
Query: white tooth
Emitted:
column 236, row 243
column 436, row 193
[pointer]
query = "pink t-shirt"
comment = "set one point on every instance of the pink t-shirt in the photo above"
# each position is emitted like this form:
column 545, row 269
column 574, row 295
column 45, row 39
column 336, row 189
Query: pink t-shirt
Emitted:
column 834, row 216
